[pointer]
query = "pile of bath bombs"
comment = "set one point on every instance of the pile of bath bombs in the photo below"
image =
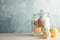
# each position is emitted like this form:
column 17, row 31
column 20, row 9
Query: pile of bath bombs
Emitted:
column 53, row 32
column 43, row 26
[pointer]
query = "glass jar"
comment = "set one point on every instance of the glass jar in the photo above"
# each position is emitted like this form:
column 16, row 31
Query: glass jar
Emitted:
column 41, row 22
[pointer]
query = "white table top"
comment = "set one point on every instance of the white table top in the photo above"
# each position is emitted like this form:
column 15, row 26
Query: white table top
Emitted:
column 17, row 36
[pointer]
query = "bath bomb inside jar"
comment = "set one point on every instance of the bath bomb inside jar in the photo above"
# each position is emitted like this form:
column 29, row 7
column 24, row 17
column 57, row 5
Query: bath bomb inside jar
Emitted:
column 41, row 22
column 46, row 28
column 46, row 22
column 36, row 23
column 37, row 30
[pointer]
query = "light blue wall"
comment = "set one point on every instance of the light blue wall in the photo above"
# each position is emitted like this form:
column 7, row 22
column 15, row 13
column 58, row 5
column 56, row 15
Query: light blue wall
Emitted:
column 15, row 15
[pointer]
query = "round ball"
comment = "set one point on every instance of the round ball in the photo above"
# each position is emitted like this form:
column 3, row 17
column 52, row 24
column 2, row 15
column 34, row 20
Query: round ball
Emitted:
column 46, row 34
column 54, row 32
column 37, row 30
column 46, row 28
column 39, row 22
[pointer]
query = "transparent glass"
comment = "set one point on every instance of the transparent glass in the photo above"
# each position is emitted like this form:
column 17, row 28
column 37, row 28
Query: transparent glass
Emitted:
column 41, row 23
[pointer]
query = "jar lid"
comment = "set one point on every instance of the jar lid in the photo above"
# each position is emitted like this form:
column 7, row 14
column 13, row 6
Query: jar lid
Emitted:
column 41, row 14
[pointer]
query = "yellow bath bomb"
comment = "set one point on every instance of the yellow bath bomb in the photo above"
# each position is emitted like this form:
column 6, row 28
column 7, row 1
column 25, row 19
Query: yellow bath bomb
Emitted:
column 37, row 30
column 54, row 32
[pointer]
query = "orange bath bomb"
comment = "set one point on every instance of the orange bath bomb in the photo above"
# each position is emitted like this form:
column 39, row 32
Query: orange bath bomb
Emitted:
column 54, row 32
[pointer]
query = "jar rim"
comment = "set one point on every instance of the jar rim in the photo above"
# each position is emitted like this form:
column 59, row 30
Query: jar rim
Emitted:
column 40, row 14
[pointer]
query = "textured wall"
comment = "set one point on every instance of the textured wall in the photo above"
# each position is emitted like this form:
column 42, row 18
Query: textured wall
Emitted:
column 15, row 15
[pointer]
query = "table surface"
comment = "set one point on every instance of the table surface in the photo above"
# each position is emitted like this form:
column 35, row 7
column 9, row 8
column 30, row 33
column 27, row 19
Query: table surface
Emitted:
column 18, row 36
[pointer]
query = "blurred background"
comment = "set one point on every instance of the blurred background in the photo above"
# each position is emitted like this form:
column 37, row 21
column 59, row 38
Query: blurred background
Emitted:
column 16, row 15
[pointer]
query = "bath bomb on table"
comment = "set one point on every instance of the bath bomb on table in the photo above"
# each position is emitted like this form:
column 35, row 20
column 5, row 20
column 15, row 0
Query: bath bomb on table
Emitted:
column 54, row 32
column 46, row 34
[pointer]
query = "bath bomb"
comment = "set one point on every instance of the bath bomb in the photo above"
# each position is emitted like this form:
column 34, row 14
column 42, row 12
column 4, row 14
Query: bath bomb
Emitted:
column 37, row 30
column 46, row 34
column 46, row 28
column 39, row 22
column 43, row 16
column 47, row 22
column 36, row 23
column 54, row 32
